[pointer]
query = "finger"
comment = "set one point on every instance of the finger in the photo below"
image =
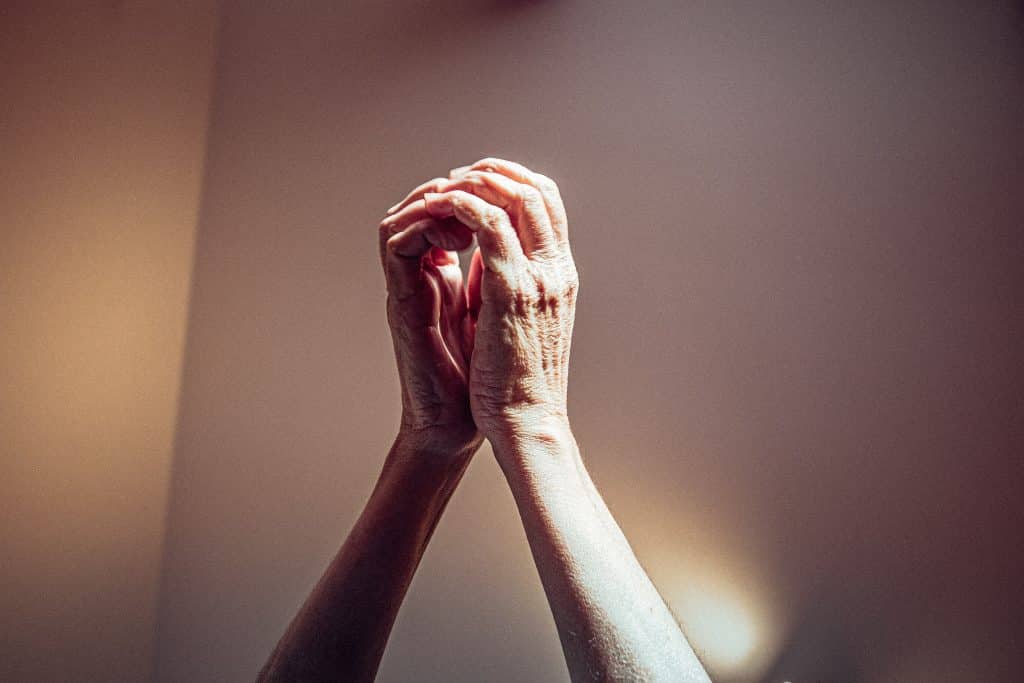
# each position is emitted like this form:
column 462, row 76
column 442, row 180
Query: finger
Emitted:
column 399, row 221
column 546, row 186
column 499, row 245
column 453, row 307
column 448, row 235
column 404, row 252
column 417, row 193
column 523, row 203
column 473, row 282
column 402, row 256
column 458, row 171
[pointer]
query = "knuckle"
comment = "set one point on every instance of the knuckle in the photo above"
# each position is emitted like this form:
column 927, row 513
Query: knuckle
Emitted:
column 496, row 219
column 384, row 237
column 476, row 180
column 530, row 197
column 546, row 184
column 463, row 198
column 561, row 282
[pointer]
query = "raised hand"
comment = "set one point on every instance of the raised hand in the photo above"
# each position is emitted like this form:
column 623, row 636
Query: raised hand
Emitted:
column 340, row 631
column 489, row 359
column 521, row 292
column 612, row 622
column 431, row 330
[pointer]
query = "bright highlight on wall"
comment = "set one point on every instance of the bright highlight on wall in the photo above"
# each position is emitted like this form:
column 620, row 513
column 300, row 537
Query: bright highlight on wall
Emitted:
column 726, row 627
column 719, row 627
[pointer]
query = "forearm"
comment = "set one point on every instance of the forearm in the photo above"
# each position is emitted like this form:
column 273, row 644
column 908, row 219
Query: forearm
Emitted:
column 611, row 620
column 341, row 630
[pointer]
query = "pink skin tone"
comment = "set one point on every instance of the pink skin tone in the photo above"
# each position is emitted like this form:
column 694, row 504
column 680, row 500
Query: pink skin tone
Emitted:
column 488, row 359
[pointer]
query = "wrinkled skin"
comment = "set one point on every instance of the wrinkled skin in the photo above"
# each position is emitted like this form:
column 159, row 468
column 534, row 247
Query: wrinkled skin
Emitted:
column 485, row 359
column 431, row 331
column 513, row 321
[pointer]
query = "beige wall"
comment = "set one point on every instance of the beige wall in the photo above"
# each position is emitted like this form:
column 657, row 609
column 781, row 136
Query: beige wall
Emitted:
column 796, row 374
column 103, row 110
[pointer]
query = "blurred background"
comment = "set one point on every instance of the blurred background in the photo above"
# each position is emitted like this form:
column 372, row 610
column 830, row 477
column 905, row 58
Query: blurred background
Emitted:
column 797, row 369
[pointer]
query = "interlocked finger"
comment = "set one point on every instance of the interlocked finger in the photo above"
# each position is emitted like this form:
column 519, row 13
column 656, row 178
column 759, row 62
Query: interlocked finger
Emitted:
column 523, row 203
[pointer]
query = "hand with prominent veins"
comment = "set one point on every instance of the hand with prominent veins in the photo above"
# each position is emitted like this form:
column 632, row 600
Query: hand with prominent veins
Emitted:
column 486, row 360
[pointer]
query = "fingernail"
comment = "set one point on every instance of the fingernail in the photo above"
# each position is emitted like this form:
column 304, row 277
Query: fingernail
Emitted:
column 459, row 170
column 393, row 208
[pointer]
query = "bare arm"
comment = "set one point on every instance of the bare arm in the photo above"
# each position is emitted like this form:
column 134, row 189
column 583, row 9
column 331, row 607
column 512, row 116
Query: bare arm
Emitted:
column 612, row 622
column 340, row 632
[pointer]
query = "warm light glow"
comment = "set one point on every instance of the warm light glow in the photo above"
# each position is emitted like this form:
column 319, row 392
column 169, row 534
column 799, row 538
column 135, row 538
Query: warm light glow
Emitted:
column 725, row 601
column 721, row 625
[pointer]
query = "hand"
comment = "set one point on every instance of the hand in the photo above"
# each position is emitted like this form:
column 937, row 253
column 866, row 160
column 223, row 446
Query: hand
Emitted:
column 521, row 292
column 431, row 330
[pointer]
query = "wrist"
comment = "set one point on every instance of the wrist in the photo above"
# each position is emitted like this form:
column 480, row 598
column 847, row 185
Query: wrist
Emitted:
column 433, row 452
column 533, row 439
column 417, row 481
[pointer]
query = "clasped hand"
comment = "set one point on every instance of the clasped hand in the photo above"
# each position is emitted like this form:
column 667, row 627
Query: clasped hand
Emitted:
column 488, row 358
